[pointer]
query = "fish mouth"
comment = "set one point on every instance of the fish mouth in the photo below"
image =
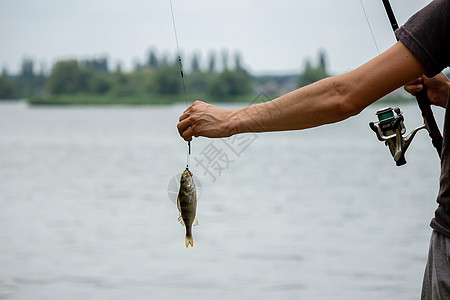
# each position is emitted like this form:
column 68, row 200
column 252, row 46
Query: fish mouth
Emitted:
column 187, row 172
column 186, row 175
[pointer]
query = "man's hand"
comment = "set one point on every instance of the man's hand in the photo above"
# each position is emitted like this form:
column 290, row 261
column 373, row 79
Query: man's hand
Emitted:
column 437, row 88
column 202, row 119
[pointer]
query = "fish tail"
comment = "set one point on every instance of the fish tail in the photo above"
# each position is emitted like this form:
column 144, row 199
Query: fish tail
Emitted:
column 188, row 240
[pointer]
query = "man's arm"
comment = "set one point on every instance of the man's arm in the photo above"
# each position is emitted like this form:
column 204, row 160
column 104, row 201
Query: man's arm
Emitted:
column 327, row 101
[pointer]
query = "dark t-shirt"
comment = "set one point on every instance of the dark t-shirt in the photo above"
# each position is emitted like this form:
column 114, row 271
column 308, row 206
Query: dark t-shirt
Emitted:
column 427, row 36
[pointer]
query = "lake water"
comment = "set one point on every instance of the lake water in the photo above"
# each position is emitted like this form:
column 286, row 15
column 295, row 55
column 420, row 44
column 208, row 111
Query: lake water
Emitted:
column 85, row 209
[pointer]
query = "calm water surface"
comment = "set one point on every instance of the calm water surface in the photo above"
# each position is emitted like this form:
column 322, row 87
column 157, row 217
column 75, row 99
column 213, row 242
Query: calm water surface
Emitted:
column 85, row 209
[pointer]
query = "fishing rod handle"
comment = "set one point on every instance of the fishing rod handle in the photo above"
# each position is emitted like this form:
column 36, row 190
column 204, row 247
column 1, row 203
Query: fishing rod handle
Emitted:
column 430, row 121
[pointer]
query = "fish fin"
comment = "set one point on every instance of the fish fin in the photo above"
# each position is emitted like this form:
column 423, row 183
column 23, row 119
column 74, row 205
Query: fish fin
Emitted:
column 178, row 204
column 180, row 220
column 188, row 240
column 195, row 222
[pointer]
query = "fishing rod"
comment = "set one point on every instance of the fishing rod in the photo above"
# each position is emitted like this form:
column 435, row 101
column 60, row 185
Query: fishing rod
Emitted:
column 390, row 128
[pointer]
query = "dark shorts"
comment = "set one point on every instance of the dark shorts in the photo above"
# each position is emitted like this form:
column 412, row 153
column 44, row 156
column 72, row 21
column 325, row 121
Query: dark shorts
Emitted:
column 436, row 280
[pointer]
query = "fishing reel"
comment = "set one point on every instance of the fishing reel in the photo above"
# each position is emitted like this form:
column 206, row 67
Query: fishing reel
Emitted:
column 391, row 130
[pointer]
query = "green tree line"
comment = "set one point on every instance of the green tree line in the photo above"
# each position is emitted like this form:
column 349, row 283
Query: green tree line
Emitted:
column 157, row 79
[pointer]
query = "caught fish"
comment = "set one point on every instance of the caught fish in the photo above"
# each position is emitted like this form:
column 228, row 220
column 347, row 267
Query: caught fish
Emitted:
column 187, row 205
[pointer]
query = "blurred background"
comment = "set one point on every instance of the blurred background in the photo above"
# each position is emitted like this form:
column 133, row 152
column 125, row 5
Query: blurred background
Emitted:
column 90, row 156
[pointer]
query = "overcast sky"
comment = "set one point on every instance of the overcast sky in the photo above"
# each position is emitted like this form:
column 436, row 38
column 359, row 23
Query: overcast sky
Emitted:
column 272, row 35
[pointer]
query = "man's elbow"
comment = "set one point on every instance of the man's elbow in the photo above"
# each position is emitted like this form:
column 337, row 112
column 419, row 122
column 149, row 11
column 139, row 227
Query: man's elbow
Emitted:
column 347, row 108
column 345, row 102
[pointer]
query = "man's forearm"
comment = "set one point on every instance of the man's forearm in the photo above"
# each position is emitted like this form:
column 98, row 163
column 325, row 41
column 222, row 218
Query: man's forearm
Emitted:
column 314, row 105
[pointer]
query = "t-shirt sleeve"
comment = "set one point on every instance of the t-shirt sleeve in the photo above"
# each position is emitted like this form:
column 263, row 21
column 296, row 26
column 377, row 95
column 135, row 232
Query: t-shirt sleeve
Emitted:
column 427, row 35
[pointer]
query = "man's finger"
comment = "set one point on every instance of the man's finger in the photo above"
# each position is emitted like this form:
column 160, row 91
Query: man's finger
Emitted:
column 183, row 116
column 187, row 134
column 413, row 88
column 183, row 125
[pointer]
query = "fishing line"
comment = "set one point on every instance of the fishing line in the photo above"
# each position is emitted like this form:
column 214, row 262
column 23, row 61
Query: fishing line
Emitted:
column 188, row 156
column 370, row 27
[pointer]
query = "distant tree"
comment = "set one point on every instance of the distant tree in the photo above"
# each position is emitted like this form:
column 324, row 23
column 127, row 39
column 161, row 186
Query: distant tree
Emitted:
column 118, row 77
column 123, row 85
column 197, row 82
column 28, row 83
column 195, row 64
column 312, row 74
column 167, row 81
column 152, row 60
column 164, row 60
column 27, row 68
column 212, row 62
column 68, row 78
column 118, row 67
column 96, row 64
column 99, row 84
column 136, row 65
column 224, row 59
column 7, row 88
column 322, row 60
column 237, row 60
column 43, row 69
column 229, row 83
